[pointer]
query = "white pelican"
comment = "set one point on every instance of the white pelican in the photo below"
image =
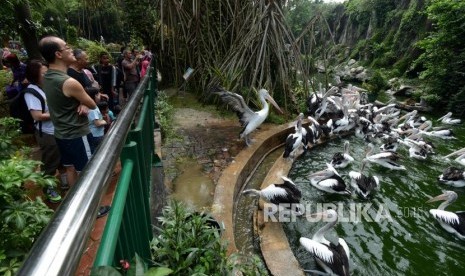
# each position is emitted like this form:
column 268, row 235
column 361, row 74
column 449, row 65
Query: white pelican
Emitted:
column 363, row 184
column 440, row 133
column 342, row 159
column 453, row 222
column 333, row 258
column 386, row 159
column 330, row 181
column 249, row 119
column 461, row 156
column 453, row 176
column 446, row 119
column 294, row 140
column 286, row 192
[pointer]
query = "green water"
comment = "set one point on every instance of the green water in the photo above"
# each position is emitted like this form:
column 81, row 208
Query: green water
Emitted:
column 412, row 243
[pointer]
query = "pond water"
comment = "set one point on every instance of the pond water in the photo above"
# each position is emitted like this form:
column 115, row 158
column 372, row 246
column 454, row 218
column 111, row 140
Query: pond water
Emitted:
column 411, row 242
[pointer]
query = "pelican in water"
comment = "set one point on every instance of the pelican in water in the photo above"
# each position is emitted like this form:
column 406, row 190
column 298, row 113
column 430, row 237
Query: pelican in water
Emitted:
column 294, row 140
column 453, row 222
column 330, row 181
column 453, row 176
column 461, row 156
column 363, row 184
column 446, row 119
column 285, row 193
column 333, row 258
column 440, row 133
column 386, row 159
column 249, row 119
column 342, row 159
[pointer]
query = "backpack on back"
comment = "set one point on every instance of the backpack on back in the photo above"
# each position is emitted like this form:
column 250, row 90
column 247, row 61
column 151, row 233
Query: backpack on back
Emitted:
column 19, row 110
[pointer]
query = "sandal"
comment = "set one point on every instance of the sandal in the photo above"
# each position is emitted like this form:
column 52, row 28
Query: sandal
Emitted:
column 103, row 211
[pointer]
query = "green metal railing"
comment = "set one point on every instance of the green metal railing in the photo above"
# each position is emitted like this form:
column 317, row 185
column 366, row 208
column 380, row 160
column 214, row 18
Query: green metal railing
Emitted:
column 128, row 230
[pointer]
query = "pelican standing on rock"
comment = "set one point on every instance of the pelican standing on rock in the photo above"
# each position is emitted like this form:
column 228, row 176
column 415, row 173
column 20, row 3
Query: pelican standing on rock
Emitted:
column 333, row 258
column 453, row 222
column 342, row 159
column 363, row 184
column 248, row 118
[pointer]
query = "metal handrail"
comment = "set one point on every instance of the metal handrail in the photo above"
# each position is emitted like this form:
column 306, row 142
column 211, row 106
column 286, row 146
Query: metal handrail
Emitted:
column 59, row 248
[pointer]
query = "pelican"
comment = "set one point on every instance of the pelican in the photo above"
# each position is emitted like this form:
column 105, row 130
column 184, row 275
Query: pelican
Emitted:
column 441, row 133
column 446, row 119
column 329, row 180
column 294, row 140
column 453, row 222
column 363, row 184
column 249, row 119
column 386, row 159
column 453, row 176
column 461, row 156
column 342, row 159
column 285, row 193
column 333, row 258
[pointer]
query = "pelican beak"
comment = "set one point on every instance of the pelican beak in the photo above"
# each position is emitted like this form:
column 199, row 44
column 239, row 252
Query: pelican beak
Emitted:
column 272, row 101
column 320, row 174
column 438, row 198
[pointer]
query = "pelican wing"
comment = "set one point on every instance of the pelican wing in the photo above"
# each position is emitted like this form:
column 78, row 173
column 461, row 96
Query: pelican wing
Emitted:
column 452, row 173
column 445, row 216
column 237, row 103
column 317, row 249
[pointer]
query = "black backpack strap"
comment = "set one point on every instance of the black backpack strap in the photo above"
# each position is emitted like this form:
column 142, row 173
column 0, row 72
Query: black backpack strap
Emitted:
column 42, row 103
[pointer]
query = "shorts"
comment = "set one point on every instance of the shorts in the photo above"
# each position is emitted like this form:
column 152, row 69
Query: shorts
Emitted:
column 75, row 152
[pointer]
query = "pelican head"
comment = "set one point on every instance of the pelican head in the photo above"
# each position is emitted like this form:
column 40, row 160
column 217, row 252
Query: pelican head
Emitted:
column 324, row 174
column 265, row 95
column 448, row 196
column 446, row 116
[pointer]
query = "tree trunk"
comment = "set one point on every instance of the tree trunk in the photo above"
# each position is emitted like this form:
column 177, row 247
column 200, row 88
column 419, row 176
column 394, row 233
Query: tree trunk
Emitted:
column 26, row 29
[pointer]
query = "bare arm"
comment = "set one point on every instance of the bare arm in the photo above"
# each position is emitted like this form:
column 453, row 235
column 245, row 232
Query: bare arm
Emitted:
column 37, row 115
column 72, row 88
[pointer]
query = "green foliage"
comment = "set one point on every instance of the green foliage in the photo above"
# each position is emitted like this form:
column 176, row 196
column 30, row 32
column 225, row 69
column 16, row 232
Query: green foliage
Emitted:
column 187, row 244
column 444, row 51
column 22, row 219
column 92, row 48
column 5, row 78
column 164, row 112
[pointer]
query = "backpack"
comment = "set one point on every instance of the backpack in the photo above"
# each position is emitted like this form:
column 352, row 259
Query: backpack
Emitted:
column 19, row 110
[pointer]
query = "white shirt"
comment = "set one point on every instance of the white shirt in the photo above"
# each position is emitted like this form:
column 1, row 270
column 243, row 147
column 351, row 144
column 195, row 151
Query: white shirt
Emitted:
column 33, row 103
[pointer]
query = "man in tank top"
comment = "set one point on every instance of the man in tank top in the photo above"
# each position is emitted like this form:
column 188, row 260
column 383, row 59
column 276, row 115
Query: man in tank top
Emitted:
column 69, row 105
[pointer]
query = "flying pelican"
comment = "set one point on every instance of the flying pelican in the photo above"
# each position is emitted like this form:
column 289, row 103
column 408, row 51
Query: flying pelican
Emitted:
column 294, row 140
column 453, row 222
column 363, row 184
column 342, row 159
column 453, row 176
column 386, row 159
column 333, row 258
column 446, row 119
column 285, row 193
column 249, row 119
column 329, row 180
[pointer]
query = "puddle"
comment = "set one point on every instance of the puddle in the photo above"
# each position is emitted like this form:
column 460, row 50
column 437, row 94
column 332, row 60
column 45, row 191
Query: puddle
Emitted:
column 193, row 187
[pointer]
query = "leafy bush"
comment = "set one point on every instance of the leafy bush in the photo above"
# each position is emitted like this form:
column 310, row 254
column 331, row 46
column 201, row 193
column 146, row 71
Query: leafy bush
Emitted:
column 188, row 244
column 92, row 48
column 22, row 219
column 164, row 113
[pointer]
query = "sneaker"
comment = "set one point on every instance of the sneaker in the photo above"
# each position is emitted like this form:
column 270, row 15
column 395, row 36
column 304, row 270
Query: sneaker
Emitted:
column 52, row 195
column 103, row 211
column 64, row 186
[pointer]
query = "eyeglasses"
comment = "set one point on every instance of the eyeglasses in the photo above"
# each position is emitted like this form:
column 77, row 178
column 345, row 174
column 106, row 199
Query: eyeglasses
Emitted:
column 65, row 49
